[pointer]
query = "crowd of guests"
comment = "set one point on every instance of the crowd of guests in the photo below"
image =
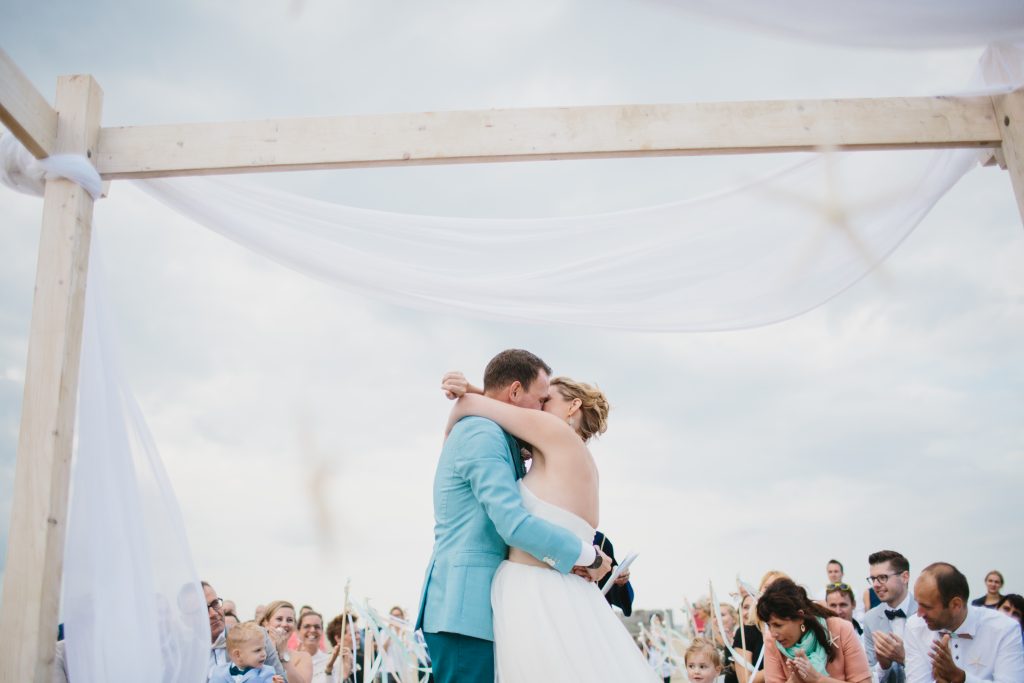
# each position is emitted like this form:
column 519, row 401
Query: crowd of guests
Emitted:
column 282, row 645
column 901, row 632
column 925, row 631
column 897, row 632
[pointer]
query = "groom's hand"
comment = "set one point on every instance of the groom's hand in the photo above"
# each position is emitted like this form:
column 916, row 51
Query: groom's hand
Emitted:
column 582, row 572
column 602, row 571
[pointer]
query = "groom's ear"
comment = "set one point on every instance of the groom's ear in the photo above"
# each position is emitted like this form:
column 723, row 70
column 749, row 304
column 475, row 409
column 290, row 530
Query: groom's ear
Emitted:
column 514, row 390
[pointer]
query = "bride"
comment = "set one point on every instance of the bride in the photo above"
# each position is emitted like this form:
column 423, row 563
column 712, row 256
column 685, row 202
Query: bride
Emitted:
column 550, row 626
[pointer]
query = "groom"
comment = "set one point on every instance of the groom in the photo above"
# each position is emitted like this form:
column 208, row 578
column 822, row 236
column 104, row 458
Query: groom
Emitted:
column 478, row 513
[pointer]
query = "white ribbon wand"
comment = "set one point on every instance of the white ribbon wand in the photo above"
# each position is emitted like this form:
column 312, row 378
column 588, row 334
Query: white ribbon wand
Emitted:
column 721, row 629
column 662, row 648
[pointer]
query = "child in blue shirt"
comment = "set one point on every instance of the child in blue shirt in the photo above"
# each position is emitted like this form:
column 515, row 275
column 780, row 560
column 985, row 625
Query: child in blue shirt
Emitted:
column 245, row 646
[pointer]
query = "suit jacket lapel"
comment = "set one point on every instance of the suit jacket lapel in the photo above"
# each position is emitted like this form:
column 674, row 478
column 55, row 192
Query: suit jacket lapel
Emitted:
column 517, row 458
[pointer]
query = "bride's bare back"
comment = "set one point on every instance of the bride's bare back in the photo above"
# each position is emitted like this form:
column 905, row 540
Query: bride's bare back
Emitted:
column 568, row 481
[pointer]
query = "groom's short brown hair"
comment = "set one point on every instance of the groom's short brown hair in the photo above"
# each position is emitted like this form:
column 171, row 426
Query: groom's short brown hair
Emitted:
column 512, row 365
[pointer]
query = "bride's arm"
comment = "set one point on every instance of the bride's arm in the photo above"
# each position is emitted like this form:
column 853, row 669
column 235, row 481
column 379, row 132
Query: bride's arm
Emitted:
column 533, row 426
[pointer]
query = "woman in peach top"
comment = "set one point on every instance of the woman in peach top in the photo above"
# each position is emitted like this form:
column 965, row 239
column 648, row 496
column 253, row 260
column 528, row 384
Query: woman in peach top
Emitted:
column 806, row 643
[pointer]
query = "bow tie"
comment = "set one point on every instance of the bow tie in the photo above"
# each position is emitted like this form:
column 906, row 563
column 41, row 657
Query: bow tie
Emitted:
column 891, row 614
column 235, row 671
column 961, row 636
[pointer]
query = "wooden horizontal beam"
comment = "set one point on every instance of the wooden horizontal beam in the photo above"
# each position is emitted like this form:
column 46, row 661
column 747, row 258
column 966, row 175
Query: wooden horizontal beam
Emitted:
column 546, row 134
column 24, row 111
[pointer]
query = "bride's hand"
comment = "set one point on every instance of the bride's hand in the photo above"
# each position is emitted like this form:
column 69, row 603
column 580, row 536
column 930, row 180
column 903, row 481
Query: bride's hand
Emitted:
column 455, row 385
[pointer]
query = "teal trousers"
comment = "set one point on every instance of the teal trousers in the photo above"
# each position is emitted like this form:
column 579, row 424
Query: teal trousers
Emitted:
column 456, row 658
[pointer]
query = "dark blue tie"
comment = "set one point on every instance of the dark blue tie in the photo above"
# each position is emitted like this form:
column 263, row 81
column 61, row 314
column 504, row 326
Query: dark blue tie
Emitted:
column 893, row 613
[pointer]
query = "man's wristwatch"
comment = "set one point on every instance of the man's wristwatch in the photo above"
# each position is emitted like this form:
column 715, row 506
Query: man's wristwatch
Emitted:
column 598, row 560
column 286, row 657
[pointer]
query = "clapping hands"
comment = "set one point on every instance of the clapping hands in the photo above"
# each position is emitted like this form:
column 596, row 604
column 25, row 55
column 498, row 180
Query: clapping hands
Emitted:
column 888, row 649
column 345, row 654
column 944, row 670
column 279, row 636
column 800, row 669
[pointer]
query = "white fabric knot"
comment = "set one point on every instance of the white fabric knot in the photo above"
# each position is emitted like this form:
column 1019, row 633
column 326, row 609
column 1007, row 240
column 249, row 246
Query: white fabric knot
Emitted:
column 21, row 171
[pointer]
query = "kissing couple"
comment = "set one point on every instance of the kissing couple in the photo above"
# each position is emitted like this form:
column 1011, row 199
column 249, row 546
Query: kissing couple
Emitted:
column 510, row 593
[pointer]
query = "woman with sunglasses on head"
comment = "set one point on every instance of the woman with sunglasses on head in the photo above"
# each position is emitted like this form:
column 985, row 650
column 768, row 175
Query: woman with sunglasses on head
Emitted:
column 839, row 598
column 807, row 643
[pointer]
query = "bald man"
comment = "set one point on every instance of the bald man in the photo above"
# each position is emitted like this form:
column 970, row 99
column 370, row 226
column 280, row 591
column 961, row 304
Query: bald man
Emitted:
column 949, row 641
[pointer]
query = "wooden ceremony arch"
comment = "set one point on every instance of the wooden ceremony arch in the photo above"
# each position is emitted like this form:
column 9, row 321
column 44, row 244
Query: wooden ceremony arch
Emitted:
column 31, row 586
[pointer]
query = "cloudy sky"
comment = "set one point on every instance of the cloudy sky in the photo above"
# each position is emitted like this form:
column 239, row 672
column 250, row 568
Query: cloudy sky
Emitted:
column 890, row 417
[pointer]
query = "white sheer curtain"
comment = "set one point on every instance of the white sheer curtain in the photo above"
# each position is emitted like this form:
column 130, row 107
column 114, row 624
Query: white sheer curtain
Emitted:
column 132, row 601
column 876, row 23
column 744, row 257
column 750, row 256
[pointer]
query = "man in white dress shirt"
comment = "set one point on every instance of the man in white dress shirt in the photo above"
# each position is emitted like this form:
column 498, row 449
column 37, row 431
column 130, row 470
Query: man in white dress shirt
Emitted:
column 884, row 624
column 949, row 641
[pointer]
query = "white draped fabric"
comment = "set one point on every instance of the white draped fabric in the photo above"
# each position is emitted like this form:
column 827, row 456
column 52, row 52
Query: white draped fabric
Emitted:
column 876, row 23
column 743, row 257
column 21, row 171
column 132, row 600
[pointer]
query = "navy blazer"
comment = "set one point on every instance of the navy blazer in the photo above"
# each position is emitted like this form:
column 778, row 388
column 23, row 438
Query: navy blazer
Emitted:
column 619, row 596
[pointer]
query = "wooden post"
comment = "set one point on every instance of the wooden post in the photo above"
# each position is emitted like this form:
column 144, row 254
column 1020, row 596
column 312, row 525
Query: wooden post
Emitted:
column 1010, row 114
column 35, row 548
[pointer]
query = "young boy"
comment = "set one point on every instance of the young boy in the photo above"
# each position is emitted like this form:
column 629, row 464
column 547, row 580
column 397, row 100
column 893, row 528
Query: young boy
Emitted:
column 247, row 652
column 703, row 662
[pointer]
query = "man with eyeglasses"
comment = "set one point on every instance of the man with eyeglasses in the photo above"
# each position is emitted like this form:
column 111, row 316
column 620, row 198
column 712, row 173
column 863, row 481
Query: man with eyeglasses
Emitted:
column 218, row 636
column 885, row 624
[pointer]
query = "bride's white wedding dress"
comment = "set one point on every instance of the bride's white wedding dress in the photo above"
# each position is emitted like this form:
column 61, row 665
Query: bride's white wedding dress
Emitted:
column 550, row 626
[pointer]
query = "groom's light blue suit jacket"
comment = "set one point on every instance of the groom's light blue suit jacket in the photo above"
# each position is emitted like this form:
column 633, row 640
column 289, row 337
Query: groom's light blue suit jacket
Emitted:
column 478, row 513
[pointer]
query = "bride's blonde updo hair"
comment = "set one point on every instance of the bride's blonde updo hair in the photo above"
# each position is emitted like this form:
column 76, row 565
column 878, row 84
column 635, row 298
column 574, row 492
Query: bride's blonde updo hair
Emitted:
column 594, row 411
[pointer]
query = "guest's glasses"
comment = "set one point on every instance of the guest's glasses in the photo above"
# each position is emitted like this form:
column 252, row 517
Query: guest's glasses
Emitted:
column 838, row 586
column 215, row 604
column 881, row 578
